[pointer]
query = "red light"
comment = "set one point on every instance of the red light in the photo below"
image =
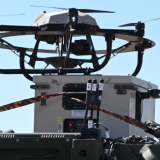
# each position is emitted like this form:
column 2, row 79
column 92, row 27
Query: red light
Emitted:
column 70, row 124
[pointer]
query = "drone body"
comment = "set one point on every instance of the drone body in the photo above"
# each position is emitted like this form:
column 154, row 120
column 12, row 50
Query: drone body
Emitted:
column 62, row 18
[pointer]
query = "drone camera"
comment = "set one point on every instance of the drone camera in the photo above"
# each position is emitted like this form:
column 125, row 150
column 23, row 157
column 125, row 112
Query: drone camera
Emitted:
column 80, row 47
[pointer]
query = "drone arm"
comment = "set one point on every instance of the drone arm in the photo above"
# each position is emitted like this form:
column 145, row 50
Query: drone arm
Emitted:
column 139, row 63
column 18, row 28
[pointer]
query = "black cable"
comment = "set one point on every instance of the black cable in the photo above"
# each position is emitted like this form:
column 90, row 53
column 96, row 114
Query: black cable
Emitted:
column 107, row 131
column 61, row 46
column 93, row 98
column 98, row 99
column 102, row 126
column 88, row 97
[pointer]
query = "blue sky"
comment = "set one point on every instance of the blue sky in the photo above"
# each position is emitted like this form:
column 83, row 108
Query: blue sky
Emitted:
column 17, row 87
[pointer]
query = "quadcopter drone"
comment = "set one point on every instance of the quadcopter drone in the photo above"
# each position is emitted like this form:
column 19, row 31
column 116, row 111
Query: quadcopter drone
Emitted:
column 59, row 28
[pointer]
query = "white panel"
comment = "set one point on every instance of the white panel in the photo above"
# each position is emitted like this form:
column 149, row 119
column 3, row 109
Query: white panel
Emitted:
column 47, row 117
column 62, row 18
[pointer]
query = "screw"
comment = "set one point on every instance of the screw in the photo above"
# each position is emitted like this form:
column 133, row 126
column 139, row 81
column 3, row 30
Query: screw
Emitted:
column 17, row 140
column 67, row 140
column 37, row 140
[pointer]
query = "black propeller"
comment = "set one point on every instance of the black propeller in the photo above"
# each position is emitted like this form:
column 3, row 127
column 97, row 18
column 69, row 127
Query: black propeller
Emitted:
column 81, row 10
column 12, row 15
column 133, row 24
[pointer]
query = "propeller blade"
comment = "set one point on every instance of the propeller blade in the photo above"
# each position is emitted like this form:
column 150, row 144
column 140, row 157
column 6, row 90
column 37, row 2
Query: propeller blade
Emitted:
column 81, row 10
column 133, row 24
column 152, row 20
column 123, row 118
column 50, row 7
column 129, row 24
column 12, row 15
column 28, row 101
column 94, row 11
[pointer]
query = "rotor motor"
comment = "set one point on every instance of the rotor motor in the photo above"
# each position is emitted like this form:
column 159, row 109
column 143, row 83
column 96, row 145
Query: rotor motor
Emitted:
column 140, row 27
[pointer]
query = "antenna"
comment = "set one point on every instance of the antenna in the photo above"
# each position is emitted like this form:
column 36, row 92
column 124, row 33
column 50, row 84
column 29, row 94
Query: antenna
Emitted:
column 12, row 15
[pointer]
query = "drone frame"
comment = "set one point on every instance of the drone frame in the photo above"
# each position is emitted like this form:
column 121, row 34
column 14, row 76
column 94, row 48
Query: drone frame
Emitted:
column 135, row 39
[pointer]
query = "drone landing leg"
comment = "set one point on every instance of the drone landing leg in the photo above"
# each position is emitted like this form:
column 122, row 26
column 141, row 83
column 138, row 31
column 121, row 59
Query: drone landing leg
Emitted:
column 34, row 54
column 67, row 49
column 23, row 67
column 94, row 56
column 139, row 63
column 108, row 39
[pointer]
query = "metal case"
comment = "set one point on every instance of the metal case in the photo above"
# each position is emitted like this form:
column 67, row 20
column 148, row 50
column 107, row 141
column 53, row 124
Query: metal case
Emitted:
column 50, row 117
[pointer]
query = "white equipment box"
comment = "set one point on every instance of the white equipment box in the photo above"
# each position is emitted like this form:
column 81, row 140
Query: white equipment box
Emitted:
column 61, row 114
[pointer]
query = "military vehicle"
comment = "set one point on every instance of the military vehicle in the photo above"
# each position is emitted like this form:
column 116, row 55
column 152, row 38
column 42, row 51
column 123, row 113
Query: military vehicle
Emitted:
column 91, row 117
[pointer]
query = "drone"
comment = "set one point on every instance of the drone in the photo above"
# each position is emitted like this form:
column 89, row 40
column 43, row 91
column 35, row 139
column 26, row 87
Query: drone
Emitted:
column 59, row 28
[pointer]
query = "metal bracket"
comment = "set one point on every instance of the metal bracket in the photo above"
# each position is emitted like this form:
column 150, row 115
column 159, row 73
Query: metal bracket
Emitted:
column 40, row 86
column 121, row 92
column 125, row 86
